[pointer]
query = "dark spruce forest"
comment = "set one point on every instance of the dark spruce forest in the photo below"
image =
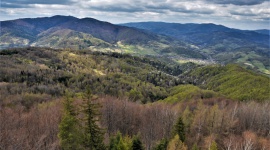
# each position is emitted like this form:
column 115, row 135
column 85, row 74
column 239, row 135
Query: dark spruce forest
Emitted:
column 68, row 83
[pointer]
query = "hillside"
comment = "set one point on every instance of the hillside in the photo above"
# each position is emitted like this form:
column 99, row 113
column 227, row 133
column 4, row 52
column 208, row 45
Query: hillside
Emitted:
column 198, row 43
column 47, row 72
column 90, row 34
column 66, row 38
column 232, row 81
column 135, row 96
column 211, row 33
column 30, row 28
column 223, row 44
column 68, row 32
column 183, row 93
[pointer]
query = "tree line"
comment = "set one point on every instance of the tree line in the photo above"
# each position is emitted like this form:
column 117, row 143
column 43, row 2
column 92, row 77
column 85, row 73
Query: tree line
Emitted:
column 208, row 124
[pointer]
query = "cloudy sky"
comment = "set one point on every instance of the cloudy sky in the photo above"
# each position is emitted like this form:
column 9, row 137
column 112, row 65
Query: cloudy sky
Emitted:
column 242, row 14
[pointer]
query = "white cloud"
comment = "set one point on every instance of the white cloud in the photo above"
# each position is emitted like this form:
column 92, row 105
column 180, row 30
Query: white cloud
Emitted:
column 228, row 12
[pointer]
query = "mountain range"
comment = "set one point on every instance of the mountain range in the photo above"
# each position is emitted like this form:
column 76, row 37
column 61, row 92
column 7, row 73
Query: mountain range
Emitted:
column 198, row 43
column 225, row 45
column 193, row 33
column 31, row 30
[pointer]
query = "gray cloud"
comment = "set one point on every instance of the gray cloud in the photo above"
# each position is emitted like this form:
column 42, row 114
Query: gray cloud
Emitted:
column 27, row 3
column 193, row 11
column 117, row 8
column 157, row 7
column 238, row 2
column 265, row 19
column 247, row 13
column 13, row 5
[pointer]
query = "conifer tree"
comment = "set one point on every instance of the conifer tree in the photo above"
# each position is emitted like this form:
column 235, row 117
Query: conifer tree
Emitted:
column 137, row 144
column 179, row 129
column 176, row 144
column 162, row 145
column 120, row 143
column 92, row 133
column 68, row 127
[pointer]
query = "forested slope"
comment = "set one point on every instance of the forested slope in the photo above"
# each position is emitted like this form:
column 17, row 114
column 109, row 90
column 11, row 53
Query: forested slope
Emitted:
column 49, row 72
column 233, row 81
column 46, row 94
column 41, row 73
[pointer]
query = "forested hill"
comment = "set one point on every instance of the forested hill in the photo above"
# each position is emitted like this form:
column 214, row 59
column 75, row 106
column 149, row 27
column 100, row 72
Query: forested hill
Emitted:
column 48, row 98
column 233, row 81
column 86, row 33
column 31, row 29
column 194, row 32
column 49, row 72
column 43, row 72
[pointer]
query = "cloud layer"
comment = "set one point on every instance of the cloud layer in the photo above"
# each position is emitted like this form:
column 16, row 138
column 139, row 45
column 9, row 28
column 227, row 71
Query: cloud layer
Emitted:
column 238, row 2
column 233, row 13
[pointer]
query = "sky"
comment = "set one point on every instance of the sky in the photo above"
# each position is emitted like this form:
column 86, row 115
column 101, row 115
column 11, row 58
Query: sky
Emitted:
column 241, row 14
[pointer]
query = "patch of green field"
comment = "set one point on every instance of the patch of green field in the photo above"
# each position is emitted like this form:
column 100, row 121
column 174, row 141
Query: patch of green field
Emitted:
column 195, row 61
column 261, row 66
column 245, row 59
column 136, row 49
column 252, row 59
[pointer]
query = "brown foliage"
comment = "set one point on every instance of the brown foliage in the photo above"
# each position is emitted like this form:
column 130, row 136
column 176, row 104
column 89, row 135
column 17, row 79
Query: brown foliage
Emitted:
column 34, row 129
column 152, row 121
column 231, row 125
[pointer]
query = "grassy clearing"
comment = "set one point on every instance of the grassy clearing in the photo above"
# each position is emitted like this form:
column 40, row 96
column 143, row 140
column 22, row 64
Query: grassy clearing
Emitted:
column 136, row 49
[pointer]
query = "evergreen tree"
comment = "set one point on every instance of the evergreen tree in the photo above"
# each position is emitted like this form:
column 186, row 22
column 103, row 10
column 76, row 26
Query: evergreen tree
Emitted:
column 68, row 127
column 119, row 143
column 162, row 145
column 137, row 144
column 92, row 133
column 176, row 144
column 179, row 129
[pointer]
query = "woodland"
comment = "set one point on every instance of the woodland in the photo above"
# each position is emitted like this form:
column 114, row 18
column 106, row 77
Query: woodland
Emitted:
column 80, row 99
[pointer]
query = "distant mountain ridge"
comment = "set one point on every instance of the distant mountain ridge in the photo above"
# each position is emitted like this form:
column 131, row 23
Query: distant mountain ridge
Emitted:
column 189, row 30
column 30, row 28
column 198, row 43
column 263, row 31
column 90, row 34
column 223, row 44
